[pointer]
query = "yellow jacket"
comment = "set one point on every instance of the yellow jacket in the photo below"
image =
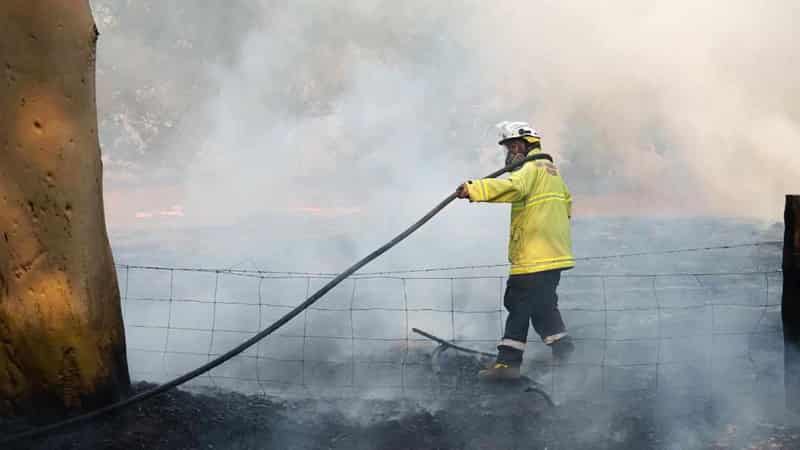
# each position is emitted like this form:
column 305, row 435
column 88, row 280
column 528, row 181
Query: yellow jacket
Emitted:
column 541, row 208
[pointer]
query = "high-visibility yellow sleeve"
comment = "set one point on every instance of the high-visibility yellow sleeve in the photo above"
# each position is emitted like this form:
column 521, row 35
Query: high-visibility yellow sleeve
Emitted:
column 514, row 188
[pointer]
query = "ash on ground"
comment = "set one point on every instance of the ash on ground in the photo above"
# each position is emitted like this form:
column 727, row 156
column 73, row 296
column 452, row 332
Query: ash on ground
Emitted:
column 512, row 416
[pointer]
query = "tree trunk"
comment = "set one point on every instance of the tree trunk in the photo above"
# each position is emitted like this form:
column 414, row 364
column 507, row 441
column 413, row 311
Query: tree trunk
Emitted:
column 62, row 342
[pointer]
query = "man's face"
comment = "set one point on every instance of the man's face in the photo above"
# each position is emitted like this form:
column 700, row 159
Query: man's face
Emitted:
column 515, row 151
column 515, row 146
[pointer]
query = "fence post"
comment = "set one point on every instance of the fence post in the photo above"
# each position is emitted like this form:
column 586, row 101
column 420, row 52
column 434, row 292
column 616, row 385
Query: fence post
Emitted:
column 790, row 302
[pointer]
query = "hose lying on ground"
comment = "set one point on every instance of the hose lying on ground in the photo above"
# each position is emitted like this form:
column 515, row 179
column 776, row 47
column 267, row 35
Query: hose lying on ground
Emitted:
column 40, row 431
column 443, row 344
column 452, row 345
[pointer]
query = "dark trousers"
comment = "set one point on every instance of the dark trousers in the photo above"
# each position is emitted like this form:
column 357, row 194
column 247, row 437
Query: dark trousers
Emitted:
column 533, row 297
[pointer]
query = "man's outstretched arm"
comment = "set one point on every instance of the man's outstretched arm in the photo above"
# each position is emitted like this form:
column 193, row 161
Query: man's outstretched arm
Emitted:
column 511, row 189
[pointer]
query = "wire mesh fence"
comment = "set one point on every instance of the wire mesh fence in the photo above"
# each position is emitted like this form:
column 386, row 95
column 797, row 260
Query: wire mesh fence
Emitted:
column 668, row 333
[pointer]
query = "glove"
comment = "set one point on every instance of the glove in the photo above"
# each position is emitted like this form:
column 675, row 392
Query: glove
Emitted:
column 461, row 191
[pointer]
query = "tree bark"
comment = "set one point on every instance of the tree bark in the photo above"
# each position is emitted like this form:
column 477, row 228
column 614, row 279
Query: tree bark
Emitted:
column 62, row 342
column 790, row 302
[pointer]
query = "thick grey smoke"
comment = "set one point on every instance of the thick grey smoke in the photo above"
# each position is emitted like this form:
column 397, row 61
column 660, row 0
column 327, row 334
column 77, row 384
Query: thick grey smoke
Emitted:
column 300, row 135
column 297, row 116
column 681, row 100
column 684, row 98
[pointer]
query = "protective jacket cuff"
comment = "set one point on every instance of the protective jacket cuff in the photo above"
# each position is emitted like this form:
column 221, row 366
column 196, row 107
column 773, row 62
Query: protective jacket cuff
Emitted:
column 474, row 190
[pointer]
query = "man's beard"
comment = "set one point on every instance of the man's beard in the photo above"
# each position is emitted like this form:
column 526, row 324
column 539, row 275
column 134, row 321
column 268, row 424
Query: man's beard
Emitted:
column 512, row 158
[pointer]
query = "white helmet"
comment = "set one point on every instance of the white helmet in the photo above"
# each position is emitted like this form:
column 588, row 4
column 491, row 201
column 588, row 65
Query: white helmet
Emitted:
column 512, row 130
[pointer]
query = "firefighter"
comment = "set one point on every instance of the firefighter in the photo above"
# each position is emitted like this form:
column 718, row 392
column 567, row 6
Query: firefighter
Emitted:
column 539, row 248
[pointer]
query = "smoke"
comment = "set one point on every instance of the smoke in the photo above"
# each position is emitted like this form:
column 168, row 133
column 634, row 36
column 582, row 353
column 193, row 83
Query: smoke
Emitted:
column 368, row 112
column 300, row 135
column 684, row 97
column 370, row 103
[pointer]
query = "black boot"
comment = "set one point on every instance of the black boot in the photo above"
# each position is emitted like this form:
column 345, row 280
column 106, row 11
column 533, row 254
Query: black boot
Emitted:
column 562, row 349
column 506, row 368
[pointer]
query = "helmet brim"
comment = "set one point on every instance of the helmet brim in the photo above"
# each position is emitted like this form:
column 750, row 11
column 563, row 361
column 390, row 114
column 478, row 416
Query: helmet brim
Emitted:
column 527, row 138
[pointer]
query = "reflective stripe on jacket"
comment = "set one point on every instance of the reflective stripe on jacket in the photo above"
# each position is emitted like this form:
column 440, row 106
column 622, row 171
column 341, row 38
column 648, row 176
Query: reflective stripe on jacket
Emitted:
column 541, row 208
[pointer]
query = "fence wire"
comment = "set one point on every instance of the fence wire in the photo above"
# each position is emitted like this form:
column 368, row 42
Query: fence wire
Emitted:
column 654, row 332
column 283, row 274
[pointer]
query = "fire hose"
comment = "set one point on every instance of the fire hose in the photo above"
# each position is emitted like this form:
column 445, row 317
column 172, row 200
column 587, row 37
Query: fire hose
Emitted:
column 137, row 398
column 444, row 345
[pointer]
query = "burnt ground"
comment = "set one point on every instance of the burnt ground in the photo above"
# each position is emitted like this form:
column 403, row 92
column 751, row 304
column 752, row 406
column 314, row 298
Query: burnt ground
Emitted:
column 488, row 417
